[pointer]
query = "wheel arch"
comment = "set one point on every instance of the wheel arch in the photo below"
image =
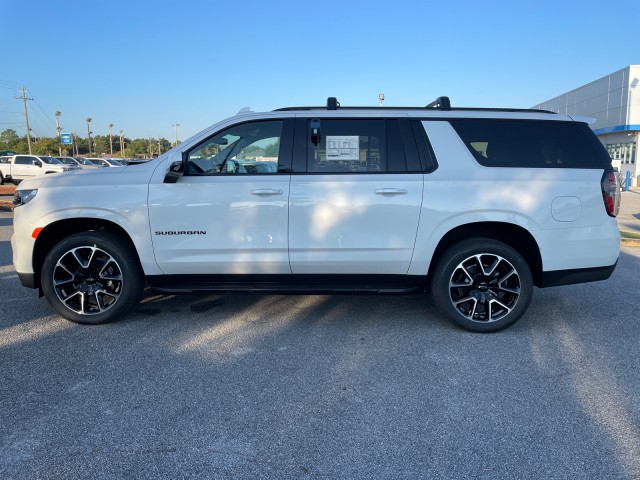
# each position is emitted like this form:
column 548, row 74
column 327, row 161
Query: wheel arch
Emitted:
column 513, row 235
column 57, row 231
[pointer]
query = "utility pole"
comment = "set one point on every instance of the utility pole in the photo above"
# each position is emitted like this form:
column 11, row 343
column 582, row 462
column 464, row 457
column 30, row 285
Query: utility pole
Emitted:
column 89, row 134
column 24, row 99
column 57, row 114
column 176, row 125
column 122, row 143
column 110, row 141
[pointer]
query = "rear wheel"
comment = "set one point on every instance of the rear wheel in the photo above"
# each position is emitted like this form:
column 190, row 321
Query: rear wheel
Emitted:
column 92, row 277
column 1, row 179
column 482, row 285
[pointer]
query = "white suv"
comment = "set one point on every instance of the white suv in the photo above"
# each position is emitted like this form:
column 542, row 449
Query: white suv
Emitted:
column 477, row 205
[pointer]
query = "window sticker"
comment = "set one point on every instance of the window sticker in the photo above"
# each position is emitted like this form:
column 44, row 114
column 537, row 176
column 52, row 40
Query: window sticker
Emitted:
column 343, row 147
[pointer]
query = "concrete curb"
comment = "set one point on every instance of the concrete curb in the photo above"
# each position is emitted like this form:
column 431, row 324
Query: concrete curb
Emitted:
column 630, row 242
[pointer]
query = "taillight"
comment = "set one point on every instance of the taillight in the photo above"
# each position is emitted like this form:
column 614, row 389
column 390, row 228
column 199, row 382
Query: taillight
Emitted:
column 611, row 192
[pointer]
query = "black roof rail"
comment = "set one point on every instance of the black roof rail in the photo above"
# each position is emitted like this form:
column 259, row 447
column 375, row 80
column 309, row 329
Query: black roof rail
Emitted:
column 441, row 103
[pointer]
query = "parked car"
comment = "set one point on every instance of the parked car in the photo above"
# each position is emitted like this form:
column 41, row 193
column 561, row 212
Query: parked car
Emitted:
column 105, row 162
column 83, row 163
column 132, row 161
column 21, row 167
column 476, row 205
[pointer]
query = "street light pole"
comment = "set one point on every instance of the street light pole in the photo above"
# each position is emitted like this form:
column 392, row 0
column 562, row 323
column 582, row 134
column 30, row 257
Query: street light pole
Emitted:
column 89, row 134
column 381, row 98
column 110, row 141
column 176, row 125
column 57, row 114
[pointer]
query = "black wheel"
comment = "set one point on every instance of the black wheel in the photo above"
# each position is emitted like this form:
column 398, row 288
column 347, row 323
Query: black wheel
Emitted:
column 92, row 277
column 1, row 179
column 482, row 285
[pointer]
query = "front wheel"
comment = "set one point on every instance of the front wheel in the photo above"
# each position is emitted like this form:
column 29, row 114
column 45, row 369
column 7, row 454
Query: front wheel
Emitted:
column 482, row 285
column 92, row 278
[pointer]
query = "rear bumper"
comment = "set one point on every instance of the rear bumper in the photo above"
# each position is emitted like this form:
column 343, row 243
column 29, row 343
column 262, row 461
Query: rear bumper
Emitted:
column 577, row 275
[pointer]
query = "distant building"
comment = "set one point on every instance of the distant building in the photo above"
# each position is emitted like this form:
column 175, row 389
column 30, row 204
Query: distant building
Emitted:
column 614, row 101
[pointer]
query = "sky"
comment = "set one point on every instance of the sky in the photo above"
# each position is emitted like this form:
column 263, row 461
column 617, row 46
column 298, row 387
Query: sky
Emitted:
column 144, row 66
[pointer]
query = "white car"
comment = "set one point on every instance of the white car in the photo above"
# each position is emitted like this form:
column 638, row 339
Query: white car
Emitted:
column 476, row 205
column 83, row 163
column 21, row 167
column 106, row 162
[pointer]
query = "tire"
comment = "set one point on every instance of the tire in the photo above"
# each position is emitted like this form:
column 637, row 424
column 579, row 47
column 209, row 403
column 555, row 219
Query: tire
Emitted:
column 482, row 285
column 1, row 179
column 92, row 278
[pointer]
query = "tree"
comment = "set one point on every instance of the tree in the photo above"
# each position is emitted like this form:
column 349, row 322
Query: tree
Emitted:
column 45, row 146
column 8, row 136
column 272, row 149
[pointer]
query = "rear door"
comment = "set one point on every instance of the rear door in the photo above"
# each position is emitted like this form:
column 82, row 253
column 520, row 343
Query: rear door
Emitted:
column 356, row 194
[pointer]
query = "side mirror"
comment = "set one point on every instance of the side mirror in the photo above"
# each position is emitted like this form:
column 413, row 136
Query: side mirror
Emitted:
column 37, row 163
column 176, row 170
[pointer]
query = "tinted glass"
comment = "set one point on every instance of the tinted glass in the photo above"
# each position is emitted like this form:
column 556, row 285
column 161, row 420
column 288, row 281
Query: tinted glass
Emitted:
column 530, row 144
column 20, row 160
column 349, row 146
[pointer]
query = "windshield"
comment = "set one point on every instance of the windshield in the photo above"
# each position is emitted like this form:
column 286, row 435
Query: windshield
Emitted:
column 115, row 162
column 50, row 160
column 68, row 161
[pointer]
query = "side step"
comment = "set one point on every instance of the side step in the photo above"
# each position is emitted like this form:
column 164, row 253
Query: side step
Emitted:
column 288, row 284
column 201, row 288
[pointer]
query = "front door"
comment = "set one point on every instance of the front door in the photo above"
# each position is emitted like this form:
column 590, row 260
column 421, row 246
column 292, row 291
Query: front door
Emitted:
column 228, row 214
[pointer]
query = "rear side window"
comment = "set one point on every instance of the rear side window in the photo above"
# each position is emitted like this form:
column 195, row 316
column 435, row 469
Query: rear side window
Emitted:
column 20, row 160
column 532, row 144
column 347, row 146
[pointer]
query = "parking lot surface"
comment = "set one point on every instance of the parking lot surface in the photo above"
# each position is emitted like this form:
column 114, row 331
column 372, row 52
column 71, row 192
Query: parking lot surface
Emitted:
column 271, row 386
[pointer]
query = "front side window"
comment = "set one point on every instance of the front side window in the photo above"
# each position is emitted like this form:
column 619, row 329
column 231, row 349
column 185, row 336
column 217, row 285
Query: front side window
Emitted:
column 338, row 146
column 248, row 148
column 50, row 160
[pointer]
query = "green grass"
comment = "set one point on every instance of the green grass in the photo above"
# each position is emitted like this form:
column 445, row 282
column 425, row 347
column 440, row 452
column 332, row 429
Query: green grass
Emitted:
column 630, row 235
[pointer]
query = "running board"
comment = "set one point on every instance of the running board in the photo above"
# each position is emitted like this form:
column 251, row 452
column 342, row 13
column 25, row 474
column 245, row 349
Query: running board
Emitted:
column 288, row 284
column 313, row 289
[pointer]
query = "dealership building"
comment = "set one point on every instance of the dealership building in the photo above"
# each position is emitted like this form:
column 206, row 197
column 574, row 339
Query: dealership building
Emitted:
column 614, row 102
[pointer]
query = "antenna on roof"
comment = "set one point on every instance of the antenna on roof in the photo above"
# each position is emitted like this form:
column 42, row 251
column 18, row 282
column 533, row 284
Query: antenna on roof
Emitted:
column 332, row 103
column 441, row 103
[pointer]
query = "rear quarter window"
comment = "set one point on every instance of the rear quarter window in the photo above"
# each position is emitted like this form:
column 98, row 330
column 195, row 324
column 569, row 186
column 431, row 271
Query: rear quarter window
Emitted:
column 532, row 144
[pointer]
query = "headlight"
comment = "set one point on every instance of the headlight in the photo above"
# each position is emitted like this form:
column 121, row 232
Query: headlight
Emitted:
column 22, row 197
